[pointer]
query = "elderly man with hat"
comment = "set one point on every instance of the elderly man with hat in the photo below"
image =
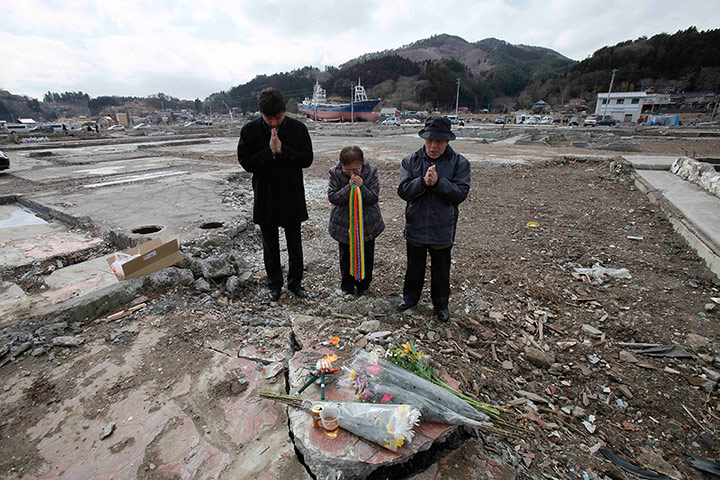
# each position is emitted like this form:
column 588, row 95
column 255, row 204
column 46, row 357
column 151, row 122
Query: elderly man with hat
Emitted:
column 433, row 181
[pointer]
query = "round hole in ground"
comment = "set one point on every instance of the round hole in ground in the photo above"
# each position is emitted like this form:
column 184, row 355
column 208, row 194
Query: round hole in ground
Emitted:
column 145, row 229
column 210, row 225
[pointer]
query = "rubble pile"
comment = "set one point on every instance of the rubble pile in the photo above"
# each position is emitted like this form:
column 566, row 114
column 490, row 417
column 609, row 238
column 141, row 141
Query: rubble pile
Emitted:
column 701, row 173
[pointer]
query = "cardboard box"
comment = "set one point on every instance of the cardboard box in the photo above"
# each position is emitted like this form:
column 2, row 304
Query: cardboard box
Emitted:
column 154, row 255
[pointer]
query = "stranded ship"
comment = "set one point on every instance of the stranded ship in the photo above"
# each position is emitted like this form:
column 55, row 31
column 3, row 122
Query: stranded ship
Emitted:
column 359, row 109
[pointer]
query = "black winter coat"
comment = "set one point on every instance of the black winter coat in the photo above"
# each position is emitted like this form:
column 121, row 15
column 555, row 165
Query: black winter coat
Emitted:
column 277, row 180
column 431, row 213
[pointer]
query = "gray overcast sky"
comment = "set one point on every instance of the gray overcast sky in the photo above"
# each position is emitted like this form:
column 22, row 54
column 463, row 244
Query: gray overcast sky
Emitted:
column 194, row 48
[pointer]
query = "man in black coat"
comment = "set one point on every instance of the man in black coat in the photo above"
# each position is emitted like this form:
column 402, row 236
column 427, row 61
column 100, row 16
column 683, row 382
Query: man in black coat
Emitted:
column 275, row 148
column 433, row 181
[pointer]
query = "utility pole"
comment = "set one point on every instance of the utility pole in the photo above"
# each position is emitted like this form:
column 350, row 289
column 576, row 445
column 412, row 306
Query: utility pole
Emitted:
column 457, row 98
column 607, row 101
column 712, row 117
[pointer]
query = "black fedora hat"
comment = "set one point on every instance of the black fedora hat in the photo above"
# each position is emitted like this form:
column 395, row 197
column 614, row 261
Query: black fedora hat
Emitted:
column 437, row 128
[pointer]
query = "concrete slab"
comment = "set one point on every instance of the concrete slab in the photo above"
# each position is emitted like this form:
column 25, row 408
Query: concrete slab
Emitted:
column 346, row 456
column 75, row 281
column 179, row 205
column 20, row 162
column 85, row 154
column 196, row 425
column 214, row 147
column 79, row 279
column 26, row 238
column 109, row 168
column 651, row 162
column 693, row 212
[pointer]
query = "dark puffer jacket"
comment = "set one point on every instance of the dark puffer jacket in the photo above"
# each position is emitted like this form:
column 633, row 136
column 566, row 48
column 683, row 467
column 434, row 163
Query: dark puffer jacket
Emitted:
column 431, row 213
column 339, row 196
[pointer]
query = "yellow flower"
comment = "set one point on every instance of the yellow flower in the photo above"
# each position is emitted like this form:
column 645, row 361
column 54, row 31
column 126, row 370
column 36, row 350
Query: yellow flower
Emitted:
column 407, row 348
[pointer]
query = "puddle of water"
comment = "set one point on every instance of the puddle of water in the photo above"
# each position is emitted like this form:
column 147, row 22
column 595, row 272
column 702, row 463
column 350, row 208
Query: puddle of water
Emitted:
column 21, row 218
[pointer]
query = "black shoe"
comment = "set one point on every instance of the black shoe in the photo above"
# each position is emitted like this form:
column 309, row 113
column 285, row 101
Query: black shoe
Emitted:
column 443, row 314
column 346, row 292
column 299, row 292
column 404, row 305
column 362, row 293
column 274, row 294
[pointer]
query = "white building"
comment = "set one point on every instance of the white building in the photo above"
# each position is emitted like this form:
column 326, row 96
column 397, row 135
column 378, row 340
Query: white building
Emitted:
column 623, row 106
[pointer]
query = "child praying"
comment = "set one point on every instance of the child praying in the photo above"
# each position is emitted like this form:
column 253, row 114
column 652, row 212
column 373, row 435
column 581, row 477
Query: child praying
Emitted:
column 355, row 220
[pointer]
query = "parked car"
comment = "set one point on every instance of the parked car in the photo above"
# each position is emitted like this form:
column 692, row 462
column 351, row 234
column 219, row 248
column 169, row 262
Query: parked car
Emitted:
column 574, row 121
column 142, row 126
column 453, row 119
column 116, row 128
column 547, row 120
column 391, row 121
column 607, row 122
column 590, row 122
column 48, row 128
column 501, row 119
column 4, row 161
column 412, row 120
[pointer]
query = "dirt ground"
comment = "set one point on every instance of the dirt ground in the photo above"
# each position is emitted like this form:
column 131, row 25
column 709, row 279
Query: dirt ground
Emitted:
column 514, row 291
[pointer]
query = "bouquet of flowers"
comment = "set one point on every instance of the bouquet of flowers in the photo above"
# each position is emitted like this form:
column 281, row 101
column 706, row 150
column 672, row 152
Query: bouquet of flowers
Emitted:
column 388, row 425
column 369, row 376
column 413, row 360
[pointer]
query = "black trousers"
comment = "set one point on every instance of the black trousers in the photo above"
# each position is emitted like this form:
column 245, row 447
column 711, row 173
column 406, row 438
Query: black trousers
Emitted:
column 347, row 281
column 439, row 274
column 271, row 255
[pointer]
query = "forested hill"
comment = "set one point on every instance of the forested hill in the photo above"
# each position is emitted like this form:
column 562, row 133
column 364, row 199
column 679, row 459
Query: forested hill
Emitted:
column 423, row 72
column 688, row 60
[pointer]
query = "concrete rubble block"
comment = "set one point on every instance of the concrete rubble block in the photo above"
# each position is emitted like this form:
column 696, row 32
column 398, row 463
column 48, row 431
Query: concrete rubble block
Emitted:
column 51, row 329
column 369, row 326
column 590, row 330
column 696, row 341
column 190, row 263
column 701, row 173
column 68, row 341
column 169, row 277
column 234, row 286
column 377, row 336
column 202, row 285
column 470, row 460
column 622, row 146
column 217, row 266
column 539, row 358
column 347, row 455
column 238, row 262
column 626, row 356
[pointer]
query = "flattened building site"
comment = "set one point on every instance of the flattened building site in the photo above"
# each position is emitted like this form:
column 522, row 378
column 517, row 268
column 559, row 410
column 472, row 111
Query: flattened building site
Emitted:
column 585, row 311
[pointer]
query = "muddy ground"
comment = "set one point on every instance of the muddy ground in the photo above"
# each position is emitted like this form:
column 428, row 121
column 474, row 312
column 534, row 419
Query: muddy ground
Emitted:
column 518, row 328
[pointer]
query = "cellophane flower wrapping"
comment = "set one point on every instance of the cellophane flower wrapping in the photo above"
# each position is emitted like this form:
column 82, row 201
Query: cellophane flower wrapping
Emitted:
column 375, row 380
column 388, row 425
